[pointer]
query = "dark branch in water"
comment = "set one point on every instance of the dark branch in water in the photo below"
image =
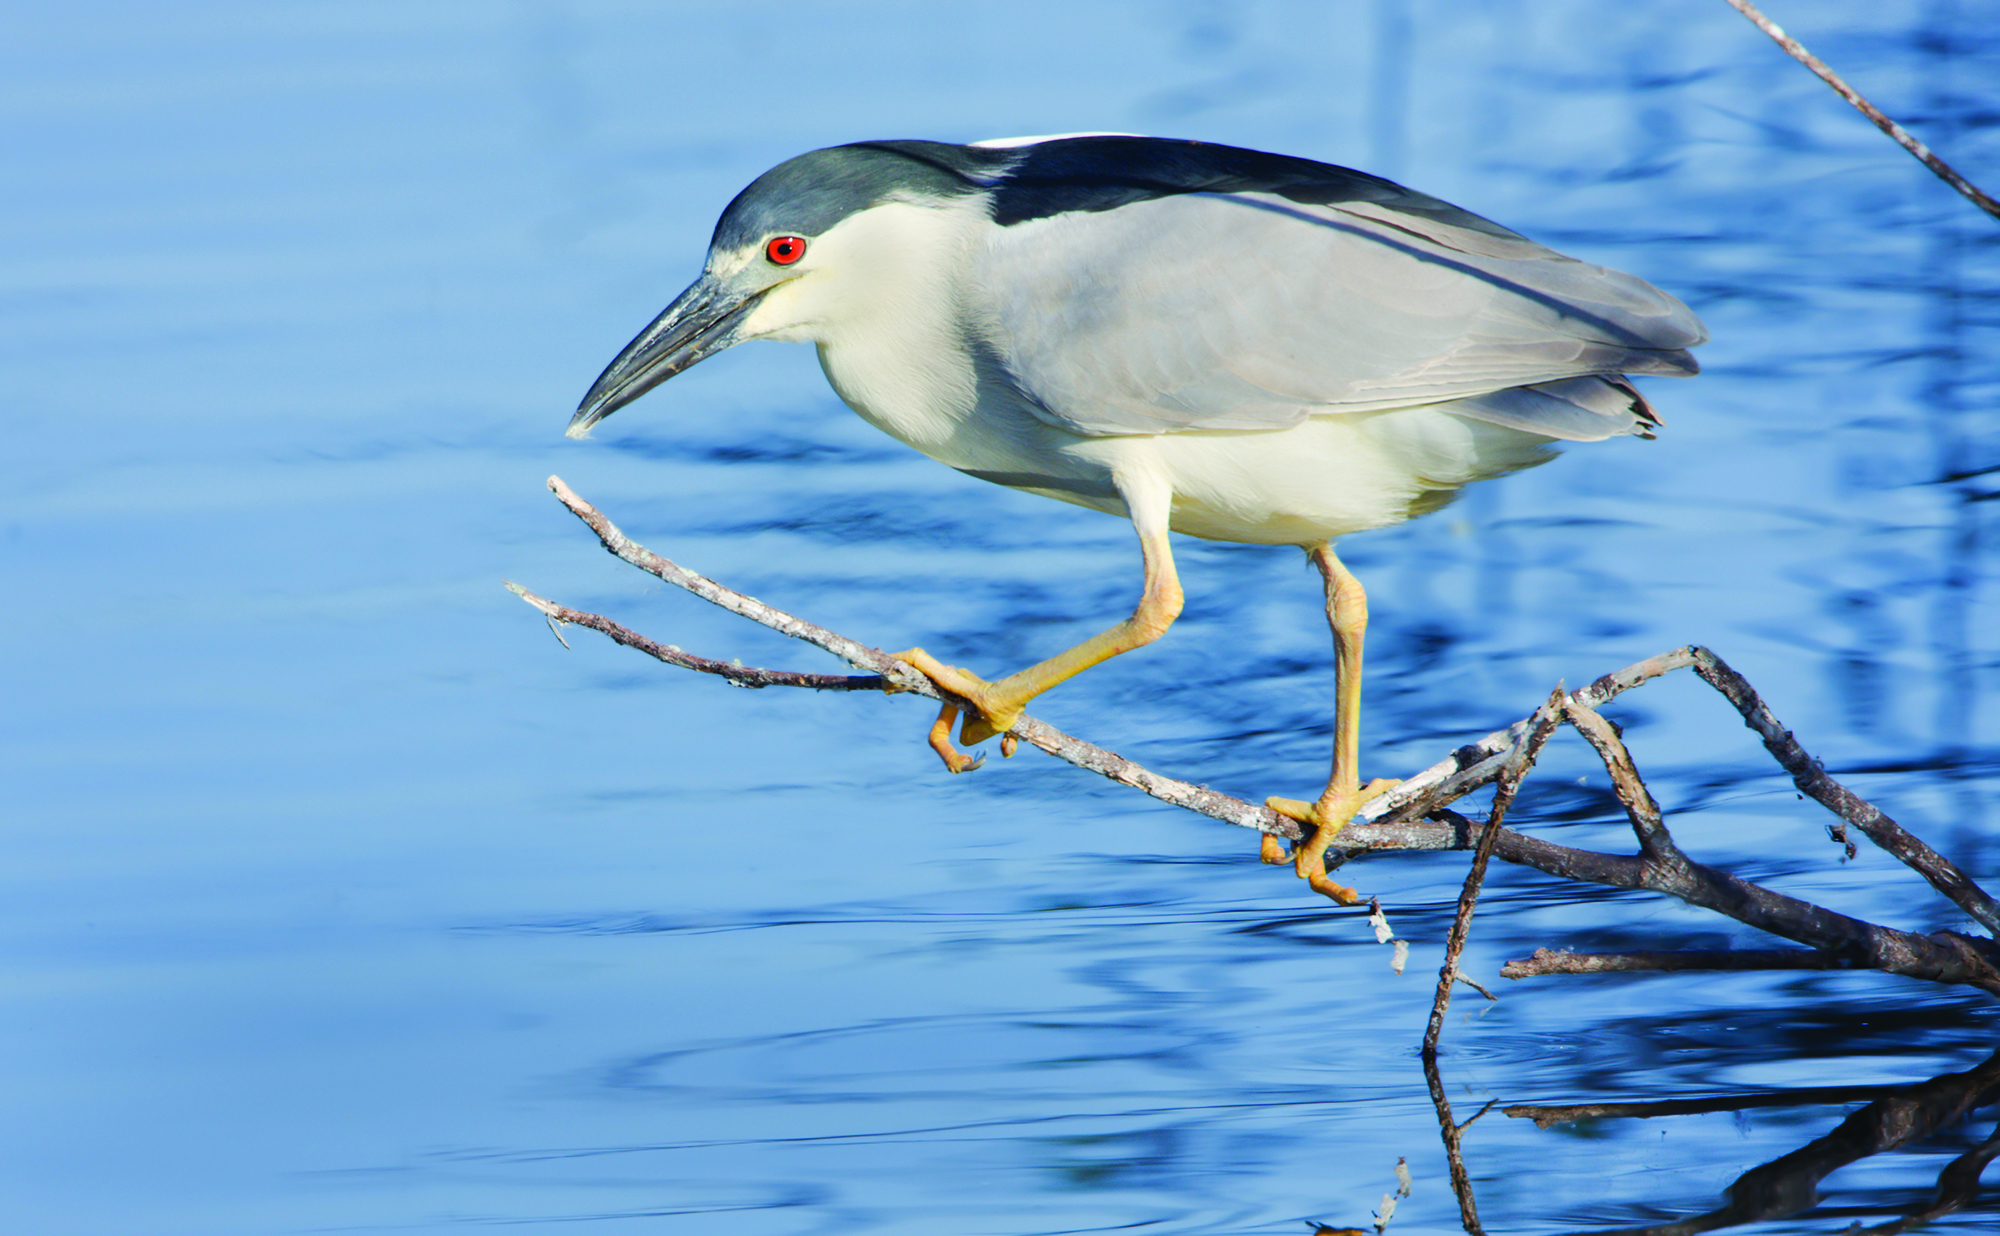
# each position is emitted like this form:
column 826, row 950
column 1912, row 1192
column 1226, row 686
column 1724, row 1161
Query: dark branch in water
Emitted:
column 1550, row 961
column 1548, row 1116
column 1786, row 1186
column 1416, row 815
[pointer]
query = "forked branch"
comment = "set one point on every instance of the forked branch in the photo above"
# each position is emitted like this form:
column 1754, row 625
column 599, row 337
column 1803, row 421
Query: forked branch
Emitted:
column 1417, row 815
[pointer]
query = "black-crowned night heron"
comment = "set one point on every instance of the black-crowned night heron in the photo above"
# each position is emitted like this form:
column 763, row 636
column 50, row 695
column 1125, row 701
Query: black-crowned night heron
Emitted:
column 1221, row 342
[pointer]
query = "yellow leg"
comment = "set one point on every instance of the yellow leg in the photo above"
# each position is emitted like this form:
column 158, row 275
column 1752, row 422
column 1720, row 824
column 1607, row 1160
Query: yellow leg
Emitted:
column 1000, row 704
column 1347, row 614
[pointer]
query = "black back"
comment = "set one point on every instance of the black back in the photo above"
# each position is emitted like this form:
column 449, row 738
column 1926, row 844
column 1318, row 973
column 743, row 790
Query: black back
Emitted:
column 1104, row 173
column 814, row 191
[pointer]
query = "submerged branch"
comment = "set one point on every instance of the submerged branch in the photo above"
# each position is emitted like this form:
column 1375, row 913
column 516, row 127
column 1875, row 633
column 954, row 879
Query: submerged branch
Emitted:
column 1548, row 1116
column 1454, row 1154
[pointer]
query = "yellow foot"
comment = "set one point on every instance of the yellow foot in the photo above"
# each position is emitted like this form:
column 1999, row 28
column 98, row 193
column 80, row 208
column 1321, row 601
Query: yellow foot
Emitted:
column 940, row 740
column 1326, row 818
column 992, row 714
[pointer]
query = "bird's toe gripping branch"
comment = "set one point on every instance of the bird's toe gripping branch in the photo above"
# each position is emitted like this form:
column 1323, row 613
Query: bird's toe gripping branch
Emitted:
column 992, row 713
column 940, row 741
column 1325, row 818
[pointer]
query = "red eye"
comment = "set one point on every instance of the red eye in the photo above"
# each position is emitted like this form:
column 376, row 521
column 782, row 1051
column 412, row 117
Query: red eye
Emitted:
column 784, row 250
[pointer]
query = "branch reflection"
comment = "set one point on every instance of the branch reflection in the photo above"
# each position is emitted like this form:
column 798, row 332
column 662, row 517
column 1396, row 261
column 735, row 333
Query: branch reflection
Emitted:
column 1894, row 1117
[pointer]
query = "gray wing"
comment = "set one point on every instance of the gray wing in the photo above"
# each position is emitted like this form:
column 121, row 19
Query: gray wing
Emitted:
column 1251, row 311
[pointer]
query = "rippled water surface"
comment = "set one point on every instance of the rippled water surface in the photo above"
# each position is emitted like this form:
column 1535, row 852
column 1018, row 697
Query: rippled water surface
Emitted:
column 339, row 897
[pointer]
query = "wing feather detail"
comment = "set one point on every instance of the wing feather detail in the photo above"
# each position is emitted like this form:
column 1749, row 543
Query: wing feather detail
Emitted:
column 1254, row 310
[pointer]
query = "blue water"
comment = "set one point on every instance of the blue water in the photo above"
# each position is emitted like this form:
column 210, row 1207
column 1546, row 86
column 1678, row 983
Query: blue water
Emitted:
column 339, row 897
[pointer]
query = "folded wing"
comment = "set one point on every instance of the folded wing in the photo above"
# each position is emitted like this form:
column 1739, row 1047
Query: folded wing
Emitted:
column 1254, row 310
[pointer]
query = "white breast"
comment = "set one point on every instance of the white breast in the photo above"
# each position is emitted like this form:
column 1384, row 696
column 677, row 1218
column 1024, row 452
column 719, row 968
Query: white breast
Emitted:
column 895, row 337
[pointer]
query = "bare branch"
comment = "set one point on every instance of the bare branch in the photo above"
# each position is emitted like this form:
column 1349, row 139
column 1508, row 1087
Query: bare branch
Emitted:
column 1922, row 152
column 1811, row 778
column 1944, row 957
column 900, row 677
column 1548, row 961
column 1647, row 824
column 742, row 676
column 1516, row 765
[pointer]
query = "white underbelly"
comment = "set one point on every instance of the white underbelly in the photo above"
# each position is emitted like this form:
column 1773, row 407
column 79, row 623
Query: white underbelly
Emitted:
column 1318, row 480
column 1323, row 478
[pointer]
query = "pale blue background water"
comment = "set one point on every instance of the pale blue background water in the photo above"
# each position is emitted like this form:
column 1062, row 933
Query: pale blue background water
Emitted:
column 338, row 897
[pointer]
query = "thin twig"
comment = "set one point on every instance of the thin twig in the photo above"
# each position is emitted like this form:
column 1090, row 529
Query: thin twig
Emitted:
column 900, row 676
column 1540, row 726
column 1460, row 976
column 1922, row 152
column 741, row 675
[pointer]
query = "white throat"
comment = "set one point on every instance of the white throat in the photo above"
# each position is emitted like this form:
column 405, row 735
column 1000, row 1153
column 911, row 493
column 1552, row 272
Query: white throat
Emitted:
column 883, row 302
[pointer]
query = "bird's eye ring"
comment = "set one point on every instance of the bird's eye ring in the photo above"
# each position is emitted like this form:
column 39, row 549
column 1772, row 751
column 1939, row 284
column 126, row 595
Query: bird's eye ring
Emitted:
column 784, row 250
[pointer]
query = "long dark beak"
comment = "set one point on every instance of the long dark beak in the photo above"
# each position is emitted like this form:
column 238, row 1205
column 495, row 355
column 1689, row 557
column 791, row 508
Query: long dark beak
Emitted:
column 702, row 321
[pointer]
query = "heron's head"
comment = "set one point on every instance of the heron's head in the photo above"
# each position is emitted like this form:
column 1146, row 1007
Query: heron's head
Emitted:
column 805, row 247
